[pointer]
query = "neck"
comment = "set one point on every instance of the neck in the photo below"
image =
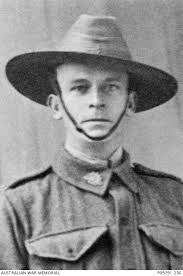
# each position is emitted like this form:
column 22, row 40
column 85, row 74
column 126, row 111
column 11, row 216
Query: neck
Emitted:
column 93, row 149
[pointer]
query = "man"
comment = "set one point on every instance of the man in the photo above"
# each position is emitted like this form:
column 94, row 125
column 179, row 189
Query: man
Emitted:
column 92, row 209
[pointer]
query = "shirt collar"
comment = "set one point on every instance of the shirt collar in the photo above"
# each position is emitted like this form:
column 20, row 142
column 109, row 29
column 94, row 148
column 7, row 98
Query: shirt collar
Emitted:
column 113, row 160
column 92, row 177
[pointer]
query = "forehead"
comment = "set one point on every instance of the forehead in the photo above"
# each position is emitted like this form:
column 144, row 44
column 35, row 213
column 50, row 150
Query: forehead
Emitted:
column 90, row 67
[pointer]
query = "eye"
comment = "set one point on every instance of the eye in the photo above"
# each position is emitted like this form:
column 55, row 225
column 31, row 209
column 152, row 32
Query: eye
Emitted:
column 80, row 88
column 112, row 87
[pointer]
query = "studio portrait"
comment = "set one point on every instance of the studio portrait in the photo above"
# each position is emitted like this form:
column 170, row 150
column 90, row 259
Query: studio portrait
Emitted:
column 91, row 135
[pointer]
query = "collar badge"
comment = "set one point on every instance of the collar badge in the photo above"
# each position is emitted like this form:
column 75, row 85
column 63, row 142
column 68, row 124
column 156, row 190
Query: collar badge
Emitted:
column 93, row 178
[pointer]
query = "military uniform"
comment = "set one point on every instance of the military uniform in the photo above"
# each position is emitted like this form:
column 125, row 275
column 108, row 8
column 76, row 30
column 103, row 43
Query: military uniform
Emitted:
column 76, row 215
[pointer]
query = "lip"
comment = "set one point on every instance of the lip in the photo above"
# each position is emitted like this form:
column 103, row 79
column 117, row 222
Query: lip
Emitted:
column 96, row 120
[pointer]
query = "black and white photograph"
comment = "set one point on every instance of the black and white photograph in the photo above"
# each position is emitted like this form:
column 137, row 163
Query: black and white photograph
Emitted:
column 91, row 135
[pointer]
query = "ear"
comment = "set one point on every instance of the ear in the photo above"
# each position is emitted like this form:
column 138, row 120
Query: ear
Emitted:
column 131, row 107
column 53, row 101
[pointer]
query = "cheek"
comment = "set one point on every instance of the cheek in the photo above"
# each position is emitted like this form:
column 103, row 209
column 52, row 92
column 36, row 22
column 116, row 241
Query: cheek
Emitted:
column 118, row 103
column 73, row 105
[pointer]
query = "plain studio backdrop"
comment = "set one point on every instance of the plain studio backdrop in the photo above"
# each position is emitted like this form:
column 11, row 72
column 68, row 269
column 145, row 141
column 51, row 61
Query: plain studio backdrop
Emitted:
column 153, row 29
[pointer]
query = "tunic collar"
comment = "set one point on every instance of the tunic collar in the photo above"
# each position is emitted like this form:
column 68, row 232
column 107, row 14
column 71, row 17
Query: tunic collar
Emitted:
column 93, row 177
column 113, row 160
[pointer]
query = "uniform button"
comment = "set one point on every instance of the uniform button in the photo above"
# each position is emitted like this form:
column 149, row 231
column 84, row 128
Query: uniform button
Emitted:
column 93, row 178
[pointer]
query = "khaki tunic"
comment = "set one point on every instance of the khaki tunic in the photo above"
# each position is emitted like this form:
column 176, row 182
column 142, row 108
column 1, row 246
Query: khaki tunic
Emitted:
column 75, row 215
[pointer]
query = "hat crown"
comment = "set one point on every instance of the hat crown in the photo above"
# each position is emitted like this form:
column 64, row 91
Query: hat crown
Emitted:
column 99, row 26
column 96, row 35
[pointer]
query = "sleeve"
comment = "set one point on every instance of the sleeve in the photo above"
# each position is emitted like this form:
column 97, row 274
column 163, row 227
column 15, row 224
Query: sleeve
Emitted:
column 12, row 250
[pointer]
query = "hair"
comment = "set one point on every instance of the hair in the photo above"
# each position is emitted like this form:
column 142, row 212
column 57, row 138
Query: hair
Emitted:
column 54, row 82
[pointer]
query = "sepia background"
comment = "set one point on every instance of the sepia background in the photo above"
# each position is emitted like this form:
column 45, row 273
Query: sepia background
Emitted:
column 154, row 32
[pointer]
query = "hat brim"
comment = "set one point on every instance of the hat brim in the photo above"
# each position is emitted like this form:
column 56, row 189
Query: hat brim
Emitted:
column 29, row 74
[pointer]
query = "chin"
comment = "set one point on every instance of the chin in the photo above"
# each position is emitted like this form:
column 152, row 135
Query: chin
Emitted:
column 97, row 130
column 97, row 134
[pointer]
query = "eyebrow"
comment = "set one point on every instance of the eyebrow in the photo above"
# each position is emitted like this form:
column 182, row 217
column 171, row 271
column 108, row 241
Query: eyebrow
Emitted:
column 79, row 80
column 110, row 79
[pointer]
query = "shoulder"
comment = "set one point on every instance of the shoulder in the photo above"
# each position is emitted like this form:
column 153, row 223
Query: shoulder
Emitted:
column 142, row 170
column 34, row 176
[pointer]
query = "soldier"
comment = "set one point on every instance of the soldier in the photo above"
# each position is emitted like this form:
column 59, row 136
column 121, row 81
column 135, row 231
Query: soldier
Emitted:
column 92, row 209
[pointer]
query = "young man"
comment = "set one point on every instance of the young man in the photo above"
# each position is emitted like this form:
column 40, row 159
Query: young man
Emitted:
column 91, row 209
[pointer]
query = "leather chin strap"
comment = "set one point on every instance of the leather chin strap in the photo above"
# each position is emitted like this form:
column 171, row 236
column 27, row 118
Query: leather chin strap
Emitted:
column 78, row 128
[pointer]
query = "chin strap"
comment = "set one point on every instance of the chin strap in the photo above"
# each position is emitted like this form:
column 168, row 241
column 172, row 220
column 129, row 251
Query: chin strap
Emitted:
column 78, row 128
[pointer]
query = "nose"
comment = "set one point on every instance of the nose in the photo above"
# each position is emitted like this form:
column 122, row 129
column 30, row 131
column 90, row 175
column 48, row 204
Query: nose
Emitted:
column 96, row 99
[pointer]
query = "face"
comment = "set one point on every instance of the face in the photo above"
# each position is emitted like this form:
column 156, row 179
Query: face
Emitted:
column 94, row 94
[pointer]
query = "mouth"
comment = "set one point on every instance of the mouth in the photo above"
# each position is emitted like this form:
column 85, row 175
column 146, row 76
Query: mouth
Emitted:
column 96, row 120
